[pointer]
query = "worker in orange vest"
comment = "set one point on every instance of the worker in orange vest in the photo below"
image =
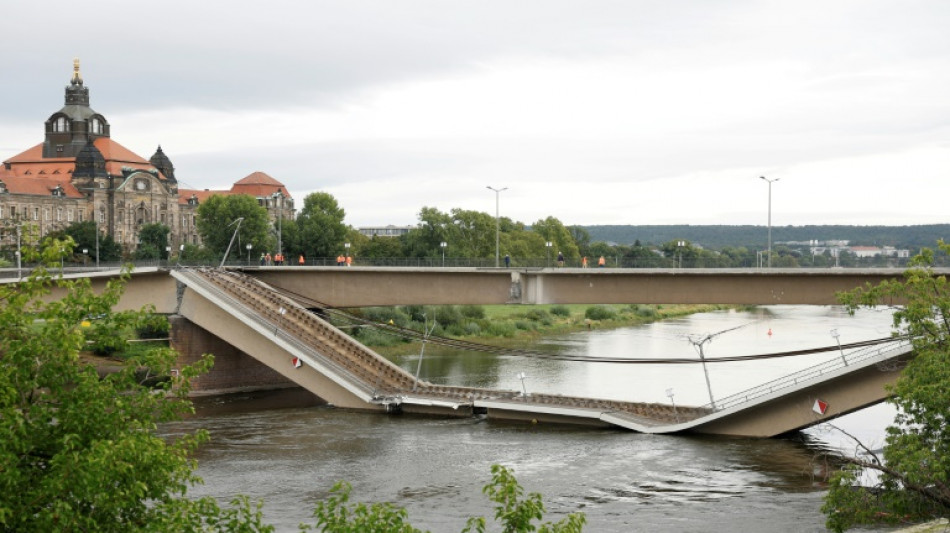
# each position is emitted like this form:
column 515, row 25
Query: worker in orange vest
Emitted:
column 584, row 262
column 601, row 262
column 339, row 260
column 349, row 261
column 301, row 260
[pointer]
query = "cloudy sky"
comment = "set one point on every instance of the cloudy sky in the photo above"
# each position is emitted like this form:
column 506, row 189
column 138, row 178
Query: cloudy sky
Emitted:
column 595, row 112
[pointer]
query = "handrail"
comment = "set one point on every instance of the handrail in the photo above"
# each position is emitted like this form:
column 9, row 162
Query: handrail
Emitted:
column 881, row 351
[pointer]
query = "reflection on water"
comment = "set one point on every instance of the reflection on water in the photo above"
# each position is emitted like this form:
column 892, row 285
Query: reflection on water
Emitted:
column 623, row 481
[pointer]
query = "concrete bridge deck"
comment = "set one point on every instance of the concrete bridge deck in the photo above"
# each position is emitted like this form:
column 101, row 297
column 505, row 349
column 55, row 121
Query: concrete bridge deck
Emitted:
column 274, row 329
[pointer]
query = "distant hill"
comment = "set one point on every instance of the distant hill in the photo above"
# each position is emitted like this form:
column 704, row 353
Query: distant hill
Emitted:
column 716, row 237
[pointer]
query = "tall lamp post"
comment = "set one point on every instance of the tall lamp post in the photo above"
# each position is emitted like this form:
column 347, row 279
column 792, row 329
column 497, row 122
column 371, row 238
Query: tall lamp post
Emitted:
column 442, row 245
column 249, row 246
column 769, row 262
column 497, row 224
column 279, row 200
column 548, row 245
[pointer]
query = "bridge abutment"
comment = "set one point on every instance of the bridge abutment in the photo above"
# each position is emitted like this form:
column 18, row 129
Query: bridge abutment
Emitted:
column 233, row 370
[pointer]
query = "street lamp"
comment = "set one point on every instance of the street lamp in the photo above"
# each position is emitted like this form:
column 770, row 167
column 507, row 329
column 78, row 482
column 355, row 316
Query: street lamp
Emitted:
column 770, row 217
column 497, row 226
column 548, row 245
column 679, row 248
column 346, row 254
column 168, row 254
column 85, row 256
column 279, row 200
column 834, row 333
column 249, row 246
column 442, row 245
column 181, row 252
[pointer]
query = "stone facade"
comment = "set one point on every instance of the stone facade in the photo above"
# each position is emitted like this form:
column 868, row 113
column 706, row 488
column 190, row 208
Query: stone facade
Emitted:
column 80, row 173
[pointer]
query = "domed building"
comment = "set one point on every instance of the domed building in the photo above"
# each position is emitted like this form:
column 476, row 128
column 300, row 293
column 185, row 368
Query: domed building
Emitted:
column 80, row 173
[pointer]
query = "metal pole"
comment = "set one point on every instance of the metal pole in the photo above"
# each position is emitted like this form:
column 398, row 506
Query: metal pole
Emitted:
column 497, row 223
column 770, row 217
column 19, row 255
column 233, row 235
column 834, row 333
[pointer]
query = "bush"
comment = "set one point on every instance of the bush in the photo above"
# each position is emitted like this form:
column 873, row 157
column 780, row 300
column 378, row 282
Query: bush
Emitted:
column 447, row 315
column 104, row 339
column 526, row 325
column 501, row 329
column 382, row 315
column 600, row 312
column 536, row 314
column 646, row 311
column 472, row 311
column 152, row 326
column 561, row 310
column 472, row 328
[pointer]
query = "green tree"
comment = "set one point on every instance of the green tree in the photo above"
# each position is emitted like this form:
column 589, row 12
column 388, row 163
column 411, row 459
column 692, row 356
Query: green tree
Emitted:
column 216, row 217
column 555, row 232
column 84, row 234
column 153, row 239
column 321, row 228
column 914, row 467
column 79, row 452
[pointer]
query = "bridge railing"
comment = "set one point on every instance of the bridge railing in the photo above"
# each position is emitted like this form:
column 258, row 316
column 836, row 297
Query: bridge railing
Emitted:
column 881, row 351
column 255, row 315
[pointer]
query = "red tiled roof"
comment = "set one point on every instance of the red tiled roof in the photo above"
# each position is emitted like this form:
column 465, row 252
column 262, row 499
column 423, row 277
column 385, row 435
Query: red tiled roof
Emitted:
column 202, row 195
column 259, row 185
column 32, row 162
column 39, row 185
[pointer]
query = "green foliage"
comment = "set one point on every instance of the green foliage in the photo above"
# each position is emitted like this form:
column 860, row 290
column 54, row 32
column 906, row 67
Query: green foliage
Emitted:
column 105, row 337
column 321, row 227
column 79, row 452
column 515, row 512
column 216, row 216
column 600, row 312
column 152, row 326
column 153, row 239
column 561, row 310
column 914, row 481
column 472, row 311
column 84, row 235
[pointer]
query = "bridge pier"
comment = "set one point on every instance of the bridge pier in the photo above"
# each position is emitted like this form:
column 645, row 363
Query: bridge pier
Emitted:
column 233, row 370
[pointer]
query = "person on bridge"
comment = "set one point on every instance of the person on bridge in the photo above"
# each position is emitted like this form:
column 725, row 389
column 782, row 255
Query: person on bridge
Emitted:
column 349, row 260
column 584, row 262
column 268, row 258
column 560, row 259
column 301, row 261
column 263, row 259
column 601, row 262
column 507, row 260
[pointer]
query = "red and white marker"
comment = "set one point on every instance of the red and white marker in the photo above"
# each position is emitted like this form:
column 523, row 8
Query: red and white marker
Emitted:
column 297, row 362
column 820, row 407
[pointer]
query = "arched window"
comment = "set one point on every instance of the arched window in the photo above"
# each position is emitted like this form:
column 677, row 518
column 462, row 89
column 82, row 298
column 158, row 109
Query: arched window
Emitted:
column 96, row 126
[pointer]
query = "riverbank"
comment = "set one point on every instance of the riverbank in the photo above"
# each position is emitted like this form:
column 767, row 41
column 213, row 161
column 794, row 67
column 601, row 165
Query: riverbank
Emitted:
column 518, row 325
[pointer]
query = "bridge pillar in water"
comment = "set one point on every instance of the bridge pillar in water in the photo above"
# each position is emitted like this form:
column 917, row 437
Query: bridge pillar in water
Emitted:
column 233, row 370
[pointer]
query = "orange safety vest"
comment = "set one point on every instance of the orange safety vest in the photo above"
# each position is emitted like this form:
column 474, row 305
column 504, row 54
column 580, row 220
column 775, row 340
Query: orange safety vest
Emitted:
column 301, row 260
column 349, row 260
column 601, row 261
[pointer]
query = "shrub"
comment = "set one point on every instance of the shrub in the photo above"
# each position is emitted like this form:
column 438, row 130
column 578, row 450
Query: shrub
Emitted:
column 646, row 311
column 600, row 312
column 526, row 325
column 472, row 311
column 447, row 315
column 152, row 326
column 501, row 329
column 560, row 310
column 472, row 328
column 536, row 314
column 104, row 339
column 382, row 315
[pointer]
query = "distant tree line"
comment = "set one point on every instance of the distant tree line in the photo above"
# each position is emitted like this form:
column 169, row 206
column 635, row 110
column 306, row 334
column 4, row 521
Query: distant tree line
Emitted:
column 468, row 238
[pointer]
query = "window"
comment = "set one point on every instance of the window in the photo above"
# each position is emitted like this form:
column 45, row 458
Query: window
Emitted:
column 46, row 215
column 36, row 213
column 80, row 215
column 102, row 217
column 69, row 216
column 96, row 126
column 1, row 211
column 59, row 214
column 60, row 125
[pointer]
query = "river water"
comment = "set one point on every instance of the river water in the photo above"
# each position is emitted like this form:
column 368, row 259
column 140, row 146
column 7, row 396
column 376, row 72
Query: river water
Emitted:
column 290, row 456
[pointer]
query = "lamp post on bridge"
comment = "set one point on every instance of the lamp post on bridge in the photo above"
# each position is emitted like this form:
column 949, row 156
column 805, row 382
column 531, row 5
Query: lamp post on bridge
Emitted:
column 548, row 245
column 442, row 245
column 770, row 217
column 834, row 333
column 497, row 223
column 249, row 246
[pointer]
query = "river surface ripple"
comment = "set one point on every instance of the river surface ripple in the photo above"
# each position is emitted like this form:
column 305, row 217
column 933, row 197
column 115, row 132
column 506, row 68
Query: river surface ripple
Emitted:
column 623, row 481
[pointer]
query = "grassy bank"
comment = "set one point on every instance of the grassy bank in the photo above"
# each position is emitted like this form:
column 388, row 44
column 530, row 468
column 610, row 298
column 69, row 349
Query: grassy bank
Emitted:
column 510, row 325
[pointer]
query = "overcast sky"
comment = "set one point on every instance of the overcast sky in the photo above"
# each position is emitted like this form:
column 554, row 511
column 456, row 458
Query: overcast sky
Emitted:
column 626, row 112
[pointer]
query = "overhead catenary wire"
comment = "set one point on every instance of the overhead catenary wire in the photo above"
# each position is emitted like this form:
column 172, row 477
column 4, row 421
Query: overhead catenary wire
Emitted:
column 408, row 333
